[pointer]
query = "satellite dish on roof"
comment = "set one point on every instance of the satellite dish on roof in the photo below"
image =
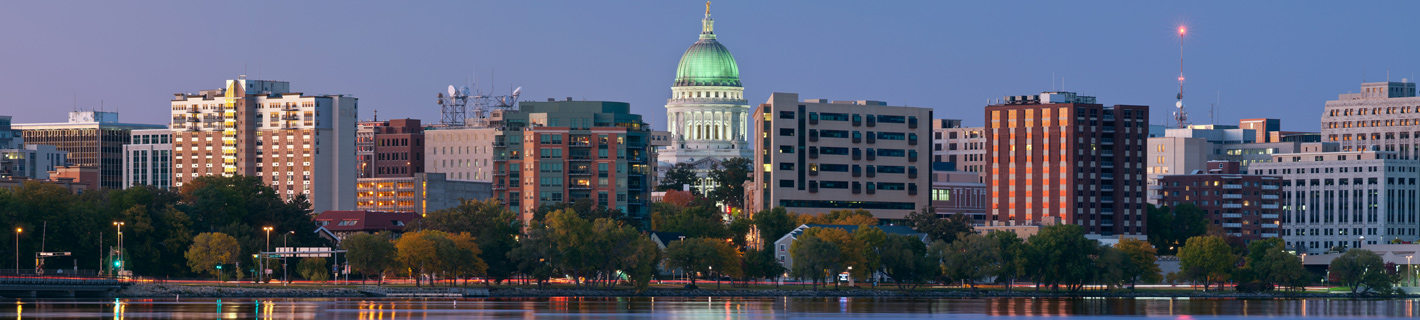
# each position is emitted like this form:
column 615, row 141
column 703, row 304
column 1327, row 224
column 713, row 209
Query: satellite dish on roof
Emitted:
column 464, row 90
column 452, row 91
column 517, row 91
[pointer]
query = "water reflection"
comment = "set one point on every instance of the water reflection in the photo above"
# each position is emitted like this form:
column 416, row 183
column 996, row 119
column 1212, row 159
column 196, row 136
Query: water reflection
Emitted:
column 695, row 308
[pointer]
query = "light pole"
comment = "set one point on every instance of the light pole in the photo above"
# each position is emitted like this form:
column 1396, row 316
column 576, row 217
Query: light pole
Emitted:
column 17, row 249
column 285, row 243
column 120, row 265
column 1410, row 269
column 850, row 276
column 263, row 257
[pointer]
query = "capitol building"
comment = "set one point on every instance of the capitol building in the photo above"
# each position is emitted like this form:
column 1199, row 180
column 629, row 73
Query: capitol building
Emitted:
column 706, row 114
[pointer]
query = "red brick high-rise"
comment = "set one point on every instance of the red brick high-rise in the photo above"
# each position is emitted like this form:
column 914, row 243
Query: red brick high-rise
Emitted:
column 1058, row 157
column 391, row 148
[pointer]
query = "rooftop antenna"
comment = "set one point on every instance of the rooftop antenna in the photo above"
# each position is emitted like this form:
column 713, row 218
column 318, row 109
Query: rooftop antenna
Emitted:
column 1213, row 118
column 1180, row 115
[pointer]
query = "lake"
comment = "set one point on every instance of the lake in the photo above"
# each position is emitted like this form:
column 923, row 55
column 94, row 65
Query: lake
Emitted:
column 701, row 308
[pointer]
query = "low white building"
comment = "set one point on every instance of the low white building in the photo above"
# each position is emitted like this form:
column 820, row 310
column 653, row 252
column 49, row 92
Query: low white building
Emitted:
column 31, row 161
column 1345, row 199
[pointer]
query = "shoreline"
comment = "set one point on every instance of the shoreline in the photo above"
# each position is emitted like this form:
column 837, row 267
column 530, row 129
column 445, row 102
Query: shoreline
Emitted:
column 165, row 291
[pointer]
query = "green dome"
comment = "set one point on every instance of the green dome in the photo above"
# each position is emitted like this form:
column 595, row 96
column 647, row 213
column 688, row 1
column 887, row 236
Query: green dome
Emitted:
column 707, row 62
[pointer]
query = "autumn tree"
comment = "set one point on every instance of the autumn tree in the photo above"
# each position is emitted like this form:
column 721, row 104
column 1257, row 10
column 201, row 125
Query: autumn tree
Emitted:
column 210, row 250
column 536, row 255
column 1061, row 255
column 695, row 221
column 491, row 223
column 814, row 259
column 698, row 256
column 1143, row 262
column 773, row 224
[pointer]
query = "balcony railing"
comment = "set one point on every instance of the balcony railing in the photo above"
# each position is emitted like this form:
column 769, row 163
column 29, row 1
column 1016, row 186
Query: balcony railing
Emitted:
column 1269, row 226
column 1232, row 196
column 1232, row 225
column 1232, row 186
column 1269, row 187
column 1270, row 206
column 1232, row 215
column 1232, row 205
column 1269, row 197
column 1269, row 235
column 1269, row 216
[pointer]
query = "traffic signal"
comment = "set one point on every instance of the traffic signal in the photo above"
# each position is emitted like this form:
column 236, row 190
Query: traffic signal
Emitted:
column 118, row 263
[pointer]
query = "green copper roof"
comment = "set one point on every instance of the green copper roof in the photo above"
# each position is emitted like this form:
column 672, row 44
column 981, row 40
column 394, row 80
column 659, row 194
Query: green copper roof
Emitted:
column 707, row 62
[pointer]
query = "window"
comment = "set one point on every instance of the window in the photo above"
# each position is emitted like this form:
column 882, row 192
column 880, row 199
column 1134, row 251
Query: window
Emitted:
column 892, row 169
column 788, row 132
column 786, row 149
column 833, row 133
column 892, row 186
column 891, row 136
column 786, row 166
column 827, row 167
column 786, row 114
column 892, row 119
column 891, row 153
column 833, row 184
column 786, row 183
column 833, row 116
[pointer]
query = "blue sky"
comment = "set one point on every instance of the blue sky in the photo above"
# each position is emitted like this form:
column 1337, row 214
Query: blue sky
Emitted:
column 1257, row 58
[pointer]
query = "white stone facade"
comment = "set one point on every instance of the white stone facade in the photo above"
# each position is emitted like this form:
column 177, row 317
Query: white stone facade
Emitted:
column 1342, row 199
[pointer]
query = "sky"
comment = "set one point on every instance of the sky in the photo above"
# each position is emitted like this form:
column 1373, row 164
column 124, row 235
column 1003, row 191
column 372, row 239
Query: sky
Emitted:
column 1275, row 59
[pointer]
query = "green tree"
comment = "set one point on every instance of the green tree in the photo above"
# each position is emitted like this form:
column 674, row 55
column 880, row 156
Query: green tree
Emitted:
column 1143, row 262
column 695, row 256
column 871, row 243
column 855, row 217
column 210, row 250
column 573, row 236
column 814, row 259
column 313, row 269
column 1284, row 269
column 945, row 229
column 459, row 257
column 1363, row 271
column 729, row 178
column 739, row 230
column 1061, row 255
column 970, row 258
column 1012, row 258
column 1207, row 259
column 678, row 176
column 1168, row 228
column 693, row 222
column 773, row 224
column 852, row 252
column 536, row 254
column 760, row 264
column 905, row 259
column 1111, row 266
column 369, row 254
column 625, row 253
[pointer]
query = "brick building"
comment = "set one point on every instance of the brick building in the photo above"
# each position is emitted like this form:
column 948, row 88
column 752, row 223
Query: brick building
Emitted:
column 1244, row 205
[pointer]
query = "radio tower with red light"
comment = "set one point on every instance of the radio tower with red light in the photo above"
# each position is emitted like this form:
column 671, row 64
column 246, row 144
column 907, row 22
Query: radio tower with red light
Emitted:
column 1180, row 116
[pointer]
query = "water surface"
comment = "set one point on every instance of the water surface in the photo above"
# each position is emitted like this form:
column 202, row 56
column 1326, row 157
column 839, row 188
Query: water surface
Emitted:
column 703, row 308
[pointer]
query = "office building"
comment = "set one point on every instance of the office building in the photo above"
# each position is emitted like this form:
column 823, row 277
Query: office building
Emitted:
column 298, row 144
column 1383, row 115
column 706, row 113
column 564, row 151
column 422, row 193
column 964, row 146
column 461, row 153
column 9, row 137
column 94, row 139
column 1058, row 157
column 1188, row 150
column 31, row 161
column 815, row 156
column 148, row 159
column 1345, row 198
column 1244, row 205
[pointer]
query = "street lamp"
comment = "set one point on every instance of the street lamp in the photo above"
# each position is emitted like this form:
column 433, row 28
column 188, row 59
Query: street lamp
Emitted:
column 119, row 225
column 261, row 272
column 285, row 243
column 850, row 276
column 1410, row 269
column 17, row 249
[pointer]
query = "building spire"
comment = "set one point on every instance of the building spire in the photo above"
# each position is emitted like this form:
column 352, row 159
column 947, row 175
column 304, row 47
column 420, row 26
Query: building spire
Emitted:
column 707, row 28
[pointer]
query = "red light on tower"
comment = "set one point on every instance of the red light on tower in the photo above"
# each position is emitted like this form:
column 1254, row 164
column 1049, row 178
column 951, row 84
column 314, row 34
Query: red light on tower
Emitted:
column 1182, row 30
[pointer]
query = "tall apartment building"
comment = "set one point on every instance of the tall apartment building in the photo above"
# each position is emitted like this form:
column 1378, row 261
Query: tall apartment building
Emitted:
column 815, row 156
column 298, row 144
column 1384, row 114
column 148, row 159
column 390, row 148
column 964, row 146
column 94, row 139
column 1345, row 198
column 1058, row 157
column 461, row 153
column 31, row 161
column 422, row 193
column 1244, row 205
column 563, row 151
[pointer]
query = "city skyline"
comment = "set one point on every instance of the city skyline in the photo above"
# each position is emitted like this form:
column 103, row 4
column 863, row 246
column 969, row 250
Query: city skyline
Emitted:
column 1259, row 59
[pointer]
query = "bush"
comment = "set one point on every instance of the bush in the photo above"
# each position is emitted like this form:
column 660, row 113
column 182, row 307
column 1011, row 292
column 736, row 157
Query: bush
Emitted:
column 1255, row 286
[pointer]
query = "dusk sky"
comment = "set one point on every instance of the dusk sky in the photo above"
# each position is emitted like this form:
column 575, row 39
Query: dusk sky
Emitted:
column 1277, row 59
